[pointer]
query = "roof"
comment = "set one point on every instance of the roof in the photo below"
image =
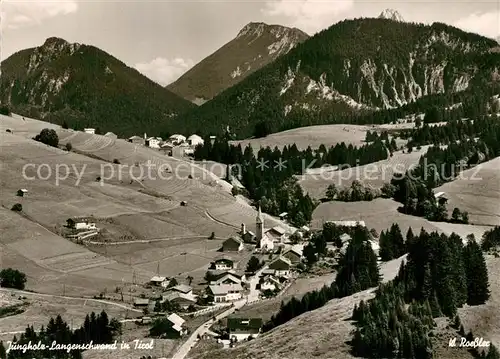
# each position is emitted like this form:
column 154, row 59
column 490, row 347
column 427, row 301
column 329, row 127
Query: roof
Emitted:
column 170, row 296
column 283, row 214
column 295, row 249
column 218, row 274
column 158, row 279
column 305, row 228
column 153, row 138
column 439, row 194
column 277, row 261
column 195, row 137
column 141, row 301
column 183, row 288
column 176, row 320
column 244, row 323
column 345, row 237
column 233, row 239
column 222, row 289
column 224, row 260
column 135, row 138
column 177, row 136
column 277, row 230
column 270, row 278
column 23, row 190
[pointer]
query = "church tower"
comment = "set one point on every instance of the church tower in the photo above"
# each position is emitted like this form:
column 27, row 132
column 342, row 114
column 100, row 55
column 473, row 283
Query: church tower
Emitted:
column 259, row 226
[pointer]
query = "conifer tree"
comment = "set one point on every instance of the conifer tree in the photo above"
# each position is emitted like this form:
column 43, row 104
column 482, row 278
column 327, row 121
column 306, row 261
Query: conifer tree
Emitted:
column 477, row 274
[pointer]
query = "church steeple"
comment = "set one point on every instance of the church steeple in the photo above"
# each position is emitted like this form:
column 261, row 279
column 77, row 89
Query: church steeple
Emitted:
column 259, row 217
column 259, row 225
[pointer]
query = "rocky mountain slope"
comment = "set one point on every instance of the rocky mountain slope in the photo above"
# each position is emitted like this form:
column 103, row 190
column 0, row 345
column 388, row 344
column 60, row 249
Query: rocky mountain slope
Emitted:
column 355, row 65
column 85, row 87
column 255, row 46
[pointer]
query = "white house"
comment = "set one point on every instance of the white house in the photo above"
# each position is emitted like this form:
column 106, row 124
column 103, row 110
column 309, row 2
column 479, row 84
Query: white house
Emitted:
column 177, row 139
column 269, row 282
column 223, row 264
column 241, row 328
column 195, row 140
column 89, row 130
column 153, row 142
column 84, row 224
column 177, row 323
column 160, row 281
column 225, row 292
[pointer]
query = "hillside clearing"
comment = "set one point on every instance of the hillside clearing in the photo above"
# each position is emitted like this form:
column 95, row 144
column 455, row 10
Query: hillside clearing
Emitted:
column 314, row 136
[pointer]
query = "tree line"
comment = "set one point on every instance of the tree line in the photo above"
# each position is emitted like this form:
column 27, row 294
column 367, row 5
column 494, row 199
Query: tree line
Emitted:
column 97, row 328
column 268, row 175
column 440, row 275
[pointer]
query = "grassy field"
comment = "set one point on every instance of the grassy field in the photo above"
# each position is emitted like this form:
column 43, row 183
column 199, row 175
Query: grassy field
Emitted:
column 129, row 206
column 314, row 136
column 477, row 191
column 374, row 174
column 382, row 213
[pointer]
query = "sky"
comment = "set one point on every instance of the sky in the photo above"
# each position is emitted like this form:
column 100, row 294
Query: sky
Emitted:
column 164, row 38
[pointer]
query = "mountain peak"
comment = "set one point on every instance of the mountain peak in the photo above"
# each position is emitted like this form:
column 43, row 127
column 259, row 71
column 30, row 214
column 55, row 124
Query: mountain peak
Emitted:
column 55, row 41
column 391, row 15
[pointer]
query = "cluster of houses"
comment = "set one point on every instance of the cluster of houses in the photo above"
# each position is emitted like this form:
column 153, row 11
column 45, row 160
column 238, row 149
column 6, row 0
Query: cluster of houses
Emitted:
column 177, row 145
column 265, row 240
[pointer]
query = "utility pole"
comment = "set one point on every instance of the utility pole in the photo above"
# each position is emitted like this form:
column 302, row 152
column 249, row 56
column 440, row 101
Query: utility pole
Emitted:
column 158, row 269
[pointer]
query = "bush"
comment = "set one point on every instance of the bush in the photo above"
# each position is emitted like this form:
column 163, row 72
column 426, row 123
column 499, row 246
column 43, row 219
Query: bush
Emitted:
column 64, row 125
column 69, row 146
column 18, row 207
column 115, row 161
column 234, row 191
column 5, row 110
column 48, row 137
column 12, row 278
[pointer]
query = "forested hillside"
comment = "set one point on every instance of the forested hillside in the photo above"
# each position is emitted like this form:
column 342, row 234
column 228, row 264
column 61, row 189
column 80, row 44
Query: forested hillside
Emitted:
column 83, row 86
column 354, row 66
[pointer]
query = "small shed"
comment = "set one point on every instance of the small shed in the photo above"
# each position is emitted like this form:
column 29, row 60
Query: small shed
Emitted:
column 21, row 192
column 183, row 203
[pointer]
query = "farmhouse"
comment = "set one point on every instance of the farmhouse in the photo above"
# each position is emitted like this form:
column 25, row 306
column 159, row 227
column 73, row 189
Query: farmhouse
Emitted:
column 153, row 142
column 167, row 148
column 241, row 329
column 226, row 277
column 82, row 223
column 136, row 140
column 195, row 140
column 225, row 292
column 159, row 281
column 294, row 254
column 183, row 300
column 281, row 267
column 21, row 192
column 269, row 282
column 232, row 244
column 183, row 288
column 277, row 234
column 440, row 198
column 247, row 236
column 141, row 302
column 89, row 130
column 178, row 324
column 222, row 264
column 177, row 139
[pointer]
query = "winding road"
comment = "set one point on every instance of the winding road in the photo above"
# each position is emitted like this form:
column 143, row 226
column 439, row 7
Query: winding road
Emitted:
column 205, row 327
